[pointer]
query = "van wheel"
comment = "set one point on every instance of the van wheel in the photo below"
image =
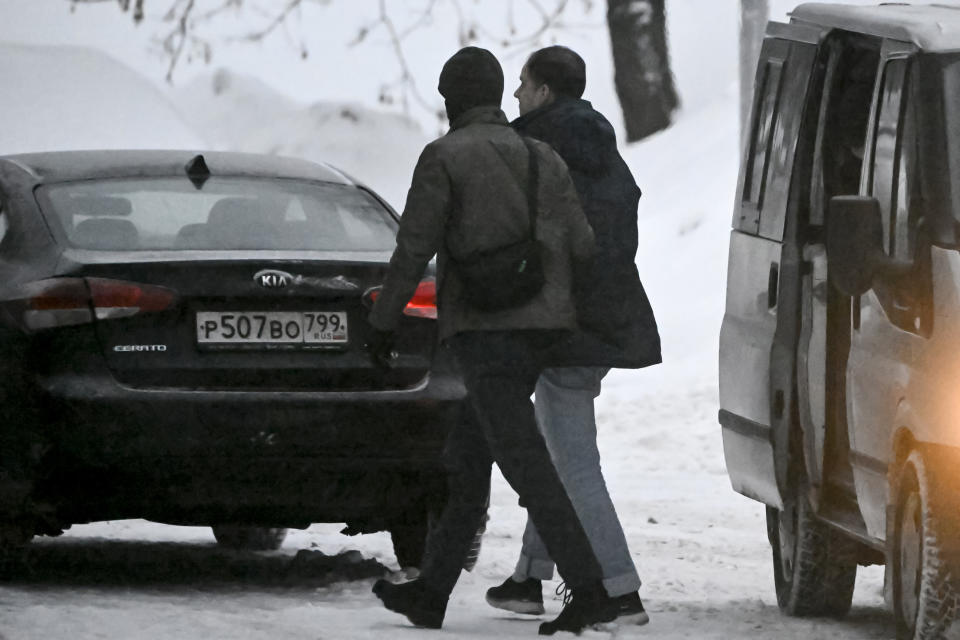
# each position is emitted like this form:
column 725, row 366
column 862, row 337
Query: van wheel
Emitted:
column 814, row 566
column 924, row 599
column 249, row 538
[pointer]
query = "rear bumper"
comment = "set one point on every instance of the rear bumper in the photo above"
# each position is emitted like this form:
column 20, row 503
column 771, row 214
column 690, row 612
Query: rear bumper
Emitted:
column 208, row 456
column 102, row 418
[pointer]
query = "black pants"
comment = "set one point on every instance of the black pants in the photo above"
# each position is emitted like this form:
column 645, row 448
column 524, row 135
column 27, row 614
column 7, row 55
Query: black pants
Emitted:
column 500, row 369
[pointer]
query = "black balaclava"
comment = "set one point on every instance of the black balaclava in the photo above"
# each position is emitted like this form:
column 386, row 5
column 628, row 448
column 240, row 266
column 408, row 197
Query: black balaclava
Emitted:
column 470, row 78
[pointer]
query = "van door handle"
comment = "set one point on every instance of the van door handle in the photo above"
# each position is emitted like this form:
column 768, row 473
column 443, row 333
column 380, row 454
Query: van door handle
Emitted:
column 772, row 283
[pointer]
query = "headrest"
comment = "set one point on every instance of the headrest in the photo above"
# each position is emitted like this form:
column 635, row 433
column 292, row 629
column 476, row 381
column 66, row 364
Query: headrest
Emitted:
column 191, row 236
column 106, row 233
column 236, row 211
column 86, row 205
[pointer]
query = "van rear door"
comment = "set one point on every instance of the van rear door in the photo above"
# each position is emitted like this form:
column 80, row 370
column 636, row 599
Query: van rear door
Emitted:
column 761, row 324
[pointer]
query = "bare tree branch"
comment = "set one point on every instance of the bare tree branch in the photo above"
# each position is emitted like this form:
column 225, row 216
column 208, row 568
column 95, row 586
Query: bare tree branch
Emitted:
column 223, row 8
column 420, row 22
column 407, row 77
column 549, row 21
column 183, row 24
column 185, row 37
column 278, row 20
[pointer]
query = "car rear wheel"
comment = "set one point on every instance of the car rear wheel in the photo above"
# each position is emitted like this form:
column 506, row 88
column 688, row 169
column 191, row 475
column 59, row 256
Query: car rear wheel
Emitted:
column 814, row 565
column 249, row 538
column 409, row 539
column 924, row 598
column 14, row 539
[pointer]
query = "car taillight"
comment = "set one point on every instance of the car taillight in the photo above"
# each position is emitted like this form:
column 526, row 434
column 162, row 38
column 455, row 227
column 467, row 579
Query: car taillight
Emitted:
column 117, row 299
column 423, row 304
column 57, row 302
column 61, row 302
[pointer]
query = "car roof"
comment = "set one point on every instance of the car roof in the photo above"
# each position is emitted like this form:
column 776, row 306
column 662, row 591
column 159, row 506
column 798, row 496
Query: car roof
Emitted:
column 932, row 27
column 61, row 166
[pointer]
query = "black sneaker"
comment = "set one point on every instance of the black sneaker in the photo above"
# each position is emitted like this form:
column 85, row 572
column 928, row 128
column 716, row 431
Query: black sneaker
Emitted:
column 519, row 597
column 630, row 610
column 587, row 608
column 422, row 606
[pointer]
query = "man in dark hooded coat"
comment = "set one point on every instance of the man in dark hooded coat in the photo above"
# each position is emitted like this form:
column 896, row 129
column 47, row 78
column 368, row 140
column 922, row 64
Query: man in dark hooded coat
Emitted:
column 617, row 328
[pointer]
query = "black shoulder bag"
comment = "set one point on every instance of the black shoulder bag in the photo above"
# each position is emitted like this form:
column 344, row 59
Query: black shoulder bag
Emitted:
column 510, row 275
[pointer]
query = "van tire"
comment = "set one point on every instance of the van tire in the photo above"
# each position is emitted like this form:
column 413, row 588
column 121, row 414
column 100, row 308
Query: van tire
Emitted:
column 249, row 538
column 814, row 565
column 924, row 596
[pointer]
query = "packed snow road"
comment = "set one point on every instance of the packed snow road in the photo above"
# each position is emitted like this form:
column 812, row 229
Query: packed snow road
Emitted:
column 700, row 548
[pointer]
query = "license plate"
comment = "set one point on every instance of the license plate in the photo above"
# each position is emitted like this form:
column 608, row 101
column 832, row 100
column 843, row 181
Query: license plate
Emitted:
column 272, row 327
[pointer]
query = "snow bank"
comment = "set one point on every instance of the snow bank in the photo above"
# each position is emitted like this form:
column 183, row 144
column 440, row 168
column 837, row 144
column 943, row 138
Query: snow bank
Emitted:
column 80, row 98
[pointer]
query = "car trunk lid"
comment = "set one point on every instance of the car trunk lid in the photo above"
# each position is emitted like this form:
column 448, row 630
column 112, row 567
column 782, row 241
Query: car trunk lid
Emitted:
column 298, row 323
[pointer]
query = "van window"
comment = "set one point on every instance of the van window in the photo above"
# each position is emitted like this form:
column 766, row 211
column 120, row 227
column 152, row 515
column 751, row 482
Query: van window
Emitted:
column 842, row 137
column 889, row 183
column 4, row 223
column 761, row 137
column 903, row 220
column 905, row 297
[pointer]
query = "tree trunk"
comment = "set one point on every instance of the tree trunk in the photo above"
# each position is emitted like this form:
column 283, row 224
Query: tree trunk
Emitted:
column 644, row 82
column 753, row 24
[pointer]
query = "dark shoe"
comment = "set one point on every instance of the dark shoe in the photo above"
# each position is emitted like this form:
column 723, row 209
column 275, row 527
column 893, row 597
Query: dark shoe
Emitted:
column 630, row 610
column 422, row 606
column 519, row 597
column 587, row 608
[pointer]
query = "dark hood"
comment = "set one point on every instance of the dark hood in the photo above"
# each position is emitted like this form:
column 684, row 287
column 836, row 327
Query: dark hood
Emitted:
column 579, row 133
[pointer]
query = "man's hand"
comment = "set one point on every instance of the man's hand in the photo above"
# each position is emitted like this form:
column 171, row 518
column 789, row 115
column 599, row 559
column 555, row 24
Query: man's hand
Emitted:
column 380, row 348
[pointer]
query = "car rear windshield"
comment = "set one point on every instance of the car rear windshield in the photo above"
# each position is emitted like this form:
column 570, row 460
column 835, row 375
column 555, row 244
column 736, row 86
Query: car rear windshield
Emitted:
column 226, row 213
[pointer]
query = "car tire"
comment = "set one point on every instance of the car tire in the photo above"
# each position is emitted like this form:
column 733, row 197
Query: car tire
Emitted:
column 814, row 565
column 14, row 540
column 249, row 538
column 409, row 540
column 924, row 598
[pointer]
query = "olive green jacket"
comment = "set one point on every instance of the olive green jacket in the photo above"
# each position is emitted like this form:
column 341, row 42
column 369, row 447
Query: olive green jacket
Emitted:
column 468, row 193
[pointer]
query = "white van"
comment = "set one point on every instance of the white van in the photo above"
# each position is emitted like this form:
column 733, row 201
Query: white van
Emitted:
column 840, row 346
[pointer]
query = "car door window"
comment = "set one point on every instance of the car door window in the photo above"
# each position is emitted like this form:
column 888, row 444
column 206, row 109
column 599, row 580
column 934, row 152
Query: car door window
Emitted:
column 905, row 294
column 889, row 183
column 904, row 222
column 758, row 159
column 4, row 224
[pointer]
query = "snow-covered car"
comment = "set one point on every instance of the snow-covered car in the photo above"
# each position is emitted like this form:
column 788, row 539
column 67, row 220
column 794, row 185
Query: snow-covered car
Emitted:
column 182, row 340
column 839, row 347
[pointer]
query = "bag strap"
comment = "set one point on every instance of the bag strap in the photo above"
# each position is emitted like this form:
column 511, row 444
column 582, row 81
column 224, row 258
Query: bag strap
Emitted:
column 533, row 190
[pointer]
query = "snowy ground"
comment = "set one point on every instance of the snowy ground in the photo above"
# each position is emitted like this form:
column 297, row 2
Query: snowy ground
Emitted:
column 700, row 548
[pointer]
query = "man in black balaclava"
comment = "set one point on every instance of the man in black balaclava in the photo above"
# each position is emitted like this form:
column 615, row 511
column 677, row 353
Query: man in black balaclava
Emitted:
column 469, row 194
column 471, row 77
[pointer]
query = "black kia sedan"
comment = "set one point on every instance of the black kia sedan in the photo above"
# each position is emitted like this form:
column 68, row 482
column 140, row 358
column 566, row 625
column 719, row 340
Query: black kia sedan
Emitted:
column 182, row 340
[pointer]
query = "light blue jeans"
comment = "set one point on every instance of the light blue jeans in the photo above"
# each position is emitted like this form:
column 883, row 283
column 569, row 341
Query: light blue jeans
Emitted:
column 565, row 416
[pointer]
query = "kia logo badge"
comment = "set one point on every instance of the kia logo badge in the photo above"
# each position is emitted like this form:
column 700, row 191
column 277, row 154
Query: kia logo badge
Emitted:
column 272, row 279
